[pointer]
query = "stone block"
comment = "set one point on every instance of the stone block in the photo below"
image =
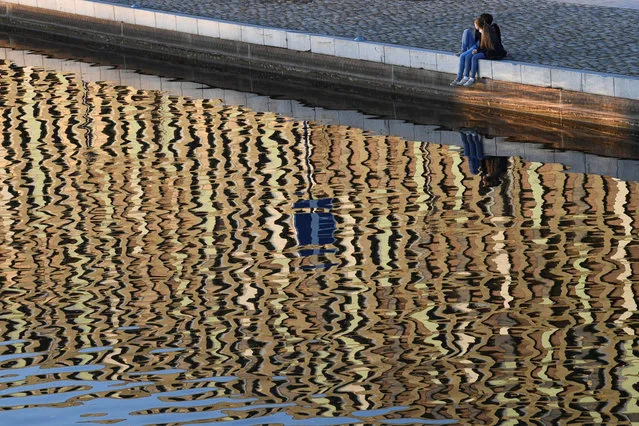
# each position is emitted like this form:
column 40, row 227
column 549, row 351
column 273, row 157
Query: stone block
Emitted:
column 70, row 66
column 230, row 31
column 233, row 97
column 426, row 134
column 165, row 21
column 376, row 126
column 150, row 82
column 603, row 166
column 44, row 4
column 510, row 149
column 105, row 11
column 298, row 41
column 50, row 63
column 31, row 60
column 323, row 45
column 208, row 28
column 275, row 37
column 574, row 162
column 110, row 74
column 351, row 119
column 566, row 79
column 422, row 58
column 627, row 87
column 371, row 52
column 130, row 78
column 84, row 8
column 15, row 56
column 186, row 24
column 490, row 147
column 213, row 94
column 535, row 75
column 538, row 153
column 327, row 116
column 124, row 14
column 171, row 87
column 193, row 92
column 92, row 74
column 302, row 112
column 447, row 62
column 402, row 129
column 504, row 71
column 143, row 17
column 68, row 6
column 257, row 103
column 396, row 55
column 628, row 170
column 598, row 84
column 190, row 87
column 31, row 3
column 283, row 107
column 85, row 66
column 345, row 48
column 447, row 137
column 253, row 34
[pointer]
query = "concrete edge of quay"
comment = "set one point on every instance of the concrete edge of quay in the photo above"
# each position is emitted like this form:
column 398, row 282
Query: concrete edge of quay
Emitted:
column 580, row 96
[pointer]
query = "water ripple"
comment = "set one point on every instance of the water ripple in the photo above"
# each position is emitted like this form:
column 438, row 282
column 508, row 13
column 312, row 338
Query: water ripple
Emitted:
column 175, row 260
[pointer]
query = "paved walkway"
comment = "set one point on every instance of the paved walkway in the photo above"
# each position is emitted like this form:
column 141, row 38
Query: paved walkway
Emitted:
column 602, row 35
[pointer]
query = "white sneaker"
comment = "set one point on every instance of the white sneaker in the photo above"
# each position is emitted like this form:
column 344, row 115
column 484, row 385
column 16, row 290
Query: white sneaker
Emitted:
column 455, row 82
column 469, row 82
column 463, row 81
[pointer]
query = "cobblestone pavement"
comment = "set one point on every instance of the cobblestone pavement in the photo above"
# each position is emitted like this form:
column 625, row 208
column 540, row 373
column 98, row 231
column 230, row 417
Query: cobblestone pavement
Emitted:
column 597, row 38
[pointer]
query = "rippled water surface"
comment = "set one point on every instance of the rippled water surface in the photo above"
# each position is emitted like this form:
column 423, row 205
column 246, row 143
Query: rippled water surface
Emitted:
column 172, row 260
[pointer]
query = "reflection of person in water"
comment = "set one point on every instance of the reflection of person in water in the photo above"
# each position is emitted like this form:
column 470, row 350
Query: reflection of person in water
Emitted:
column 473, row 149
column 492, row 171
column 491, row 168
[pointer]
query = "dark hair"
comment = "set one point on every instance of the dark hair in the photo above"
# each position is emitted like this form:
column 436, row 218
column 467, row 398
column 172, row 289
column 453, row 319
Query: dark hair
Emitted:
column 487, row 41
column 487, row 17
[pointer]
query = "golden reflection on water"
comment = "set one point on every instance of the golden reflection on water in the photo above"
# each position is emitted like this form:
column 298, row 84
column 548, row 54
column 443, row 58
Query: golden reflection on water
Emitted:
column 165, row 250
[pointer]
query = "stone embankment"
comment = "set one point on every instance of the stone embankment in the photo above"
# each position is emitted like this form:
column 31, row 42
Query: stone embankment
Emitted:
column 558, row 69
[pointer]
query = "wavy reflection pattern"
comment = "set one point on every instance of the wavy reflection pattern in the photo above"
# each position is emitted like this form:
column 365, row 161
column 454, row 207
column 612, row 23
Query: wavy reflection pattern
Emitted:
column 153, row 269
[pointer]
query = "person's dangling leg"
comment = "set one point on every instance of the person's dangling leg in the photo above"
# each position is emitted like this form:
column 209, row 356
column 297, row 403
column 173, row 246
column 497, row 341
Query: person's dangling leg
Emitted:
column 468, row 40
column 474, row 68
column 463, row 69
column 468, row 59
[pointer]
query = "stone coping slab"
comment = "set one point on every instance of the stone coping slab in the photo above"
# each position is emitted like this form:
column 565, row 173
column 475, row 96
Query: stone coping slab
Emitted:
column 613, row 85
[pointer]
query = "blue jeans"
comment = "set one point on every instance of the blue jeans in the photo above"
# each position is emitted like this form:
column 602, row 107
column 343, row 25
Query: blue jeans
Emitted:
column 469, row 64
column 468, row 39
column 473, row 149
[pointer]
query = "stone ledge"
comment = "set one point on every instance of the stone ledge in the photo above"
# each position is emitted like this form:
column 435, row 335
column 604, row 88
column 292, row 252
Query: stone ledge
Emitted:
column 381, row 74
column 507, row 71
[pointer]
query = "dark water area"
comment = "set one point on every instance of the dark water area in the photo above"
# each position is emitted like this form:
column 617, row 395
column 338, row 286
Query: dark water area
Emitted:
column 182, row 259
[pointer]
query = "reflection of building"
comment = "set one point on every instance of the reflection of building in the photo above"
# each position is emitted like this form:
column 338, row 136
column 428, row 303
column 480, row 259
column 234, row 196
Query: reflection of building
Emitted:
column 314, row 222
column 187, row 219
column 314, row 228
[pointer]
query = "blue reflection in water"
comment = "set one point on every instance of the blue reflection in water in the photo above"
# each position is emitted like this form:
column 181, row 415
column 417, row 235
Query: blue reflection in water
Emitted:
column 473, row 144
column 120, row 411
column 51, row 402
column 315, row 229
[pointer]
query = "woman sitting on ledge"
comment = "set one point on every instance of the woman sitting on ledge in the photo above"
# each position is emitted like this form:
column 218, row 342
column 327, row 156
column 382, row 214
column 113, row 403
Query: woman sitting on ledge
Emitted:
column 490, row 47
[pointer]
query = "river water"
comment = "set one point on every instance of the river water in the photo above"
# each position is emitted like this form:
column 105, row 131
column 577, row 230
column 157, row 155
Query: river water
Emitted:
column 172, row 259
